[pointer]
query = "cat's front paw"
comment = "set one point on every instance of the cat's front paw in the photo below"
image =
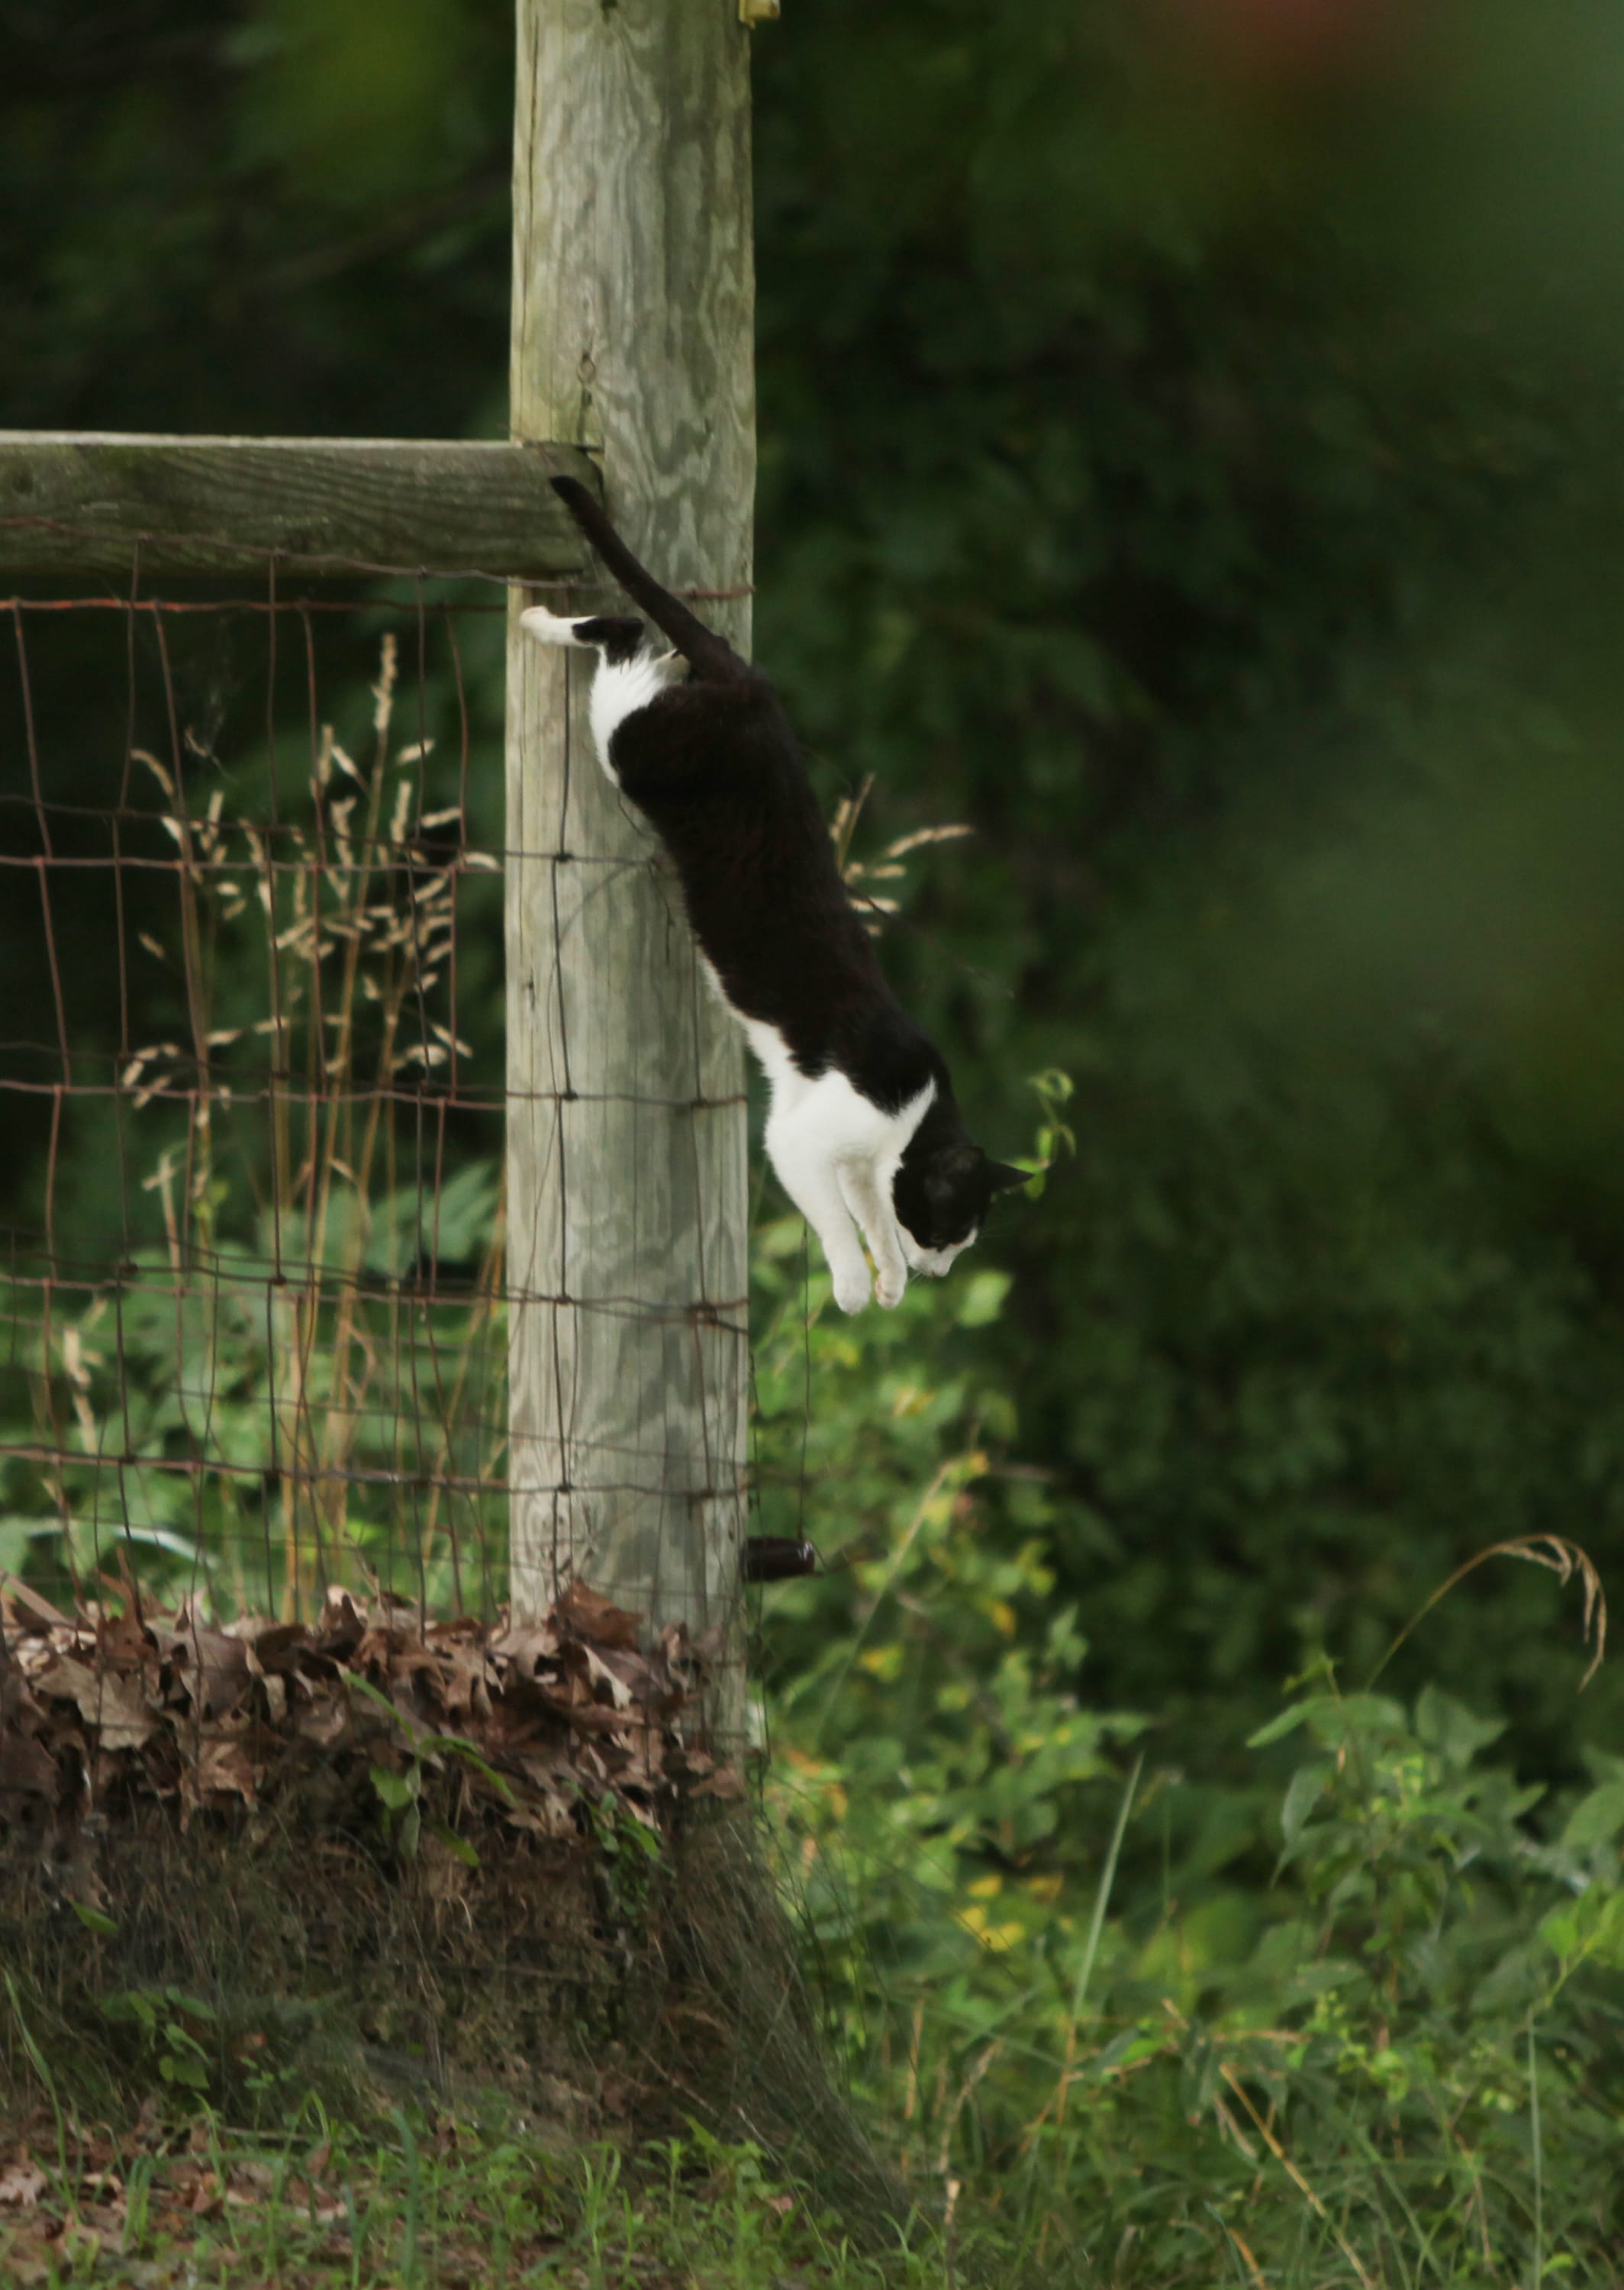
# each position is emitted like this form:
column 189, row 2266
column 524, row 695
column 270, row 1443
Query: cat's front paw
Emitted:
column 889, row 1285
column 852, row 1287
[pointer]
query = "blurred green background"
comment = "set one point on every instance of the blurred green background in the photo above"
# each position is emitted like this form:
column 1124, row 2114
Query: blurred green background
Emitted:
column 1191, row 456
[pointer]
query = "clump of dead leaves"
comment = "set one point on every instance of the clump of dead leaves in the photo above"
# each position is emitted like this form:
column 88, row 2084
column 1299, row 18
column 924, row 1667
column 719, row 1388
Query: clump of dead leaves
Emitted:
column 124, row 1702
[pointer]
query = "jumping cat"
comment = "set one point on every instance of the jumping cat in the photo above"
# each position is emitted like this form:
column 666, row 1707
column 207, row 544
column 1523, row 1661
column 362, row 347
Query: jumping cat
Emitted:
column 863, row 1130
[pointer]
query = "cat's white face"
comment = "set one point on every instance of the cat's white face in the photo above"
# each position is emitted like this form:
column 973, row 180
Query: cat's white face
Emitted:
column 933, row 1261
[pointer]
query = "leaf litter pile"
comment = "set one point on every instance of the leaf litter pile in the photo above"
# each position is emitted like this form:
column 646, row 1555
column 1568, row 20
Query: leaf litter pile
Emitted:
column 530, row 1721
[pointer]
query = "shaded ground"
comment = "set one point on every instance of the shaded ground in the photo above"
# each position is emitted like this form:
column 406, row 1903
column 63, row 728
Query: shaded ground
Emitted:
column 448, row 2205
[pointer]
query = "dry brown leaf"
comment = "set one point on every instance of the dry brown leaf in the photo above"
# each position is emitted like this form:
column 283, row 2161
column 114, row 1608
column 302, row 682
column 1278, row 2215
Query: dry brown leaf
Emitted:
column 464, row 1686
column 590, row 1614
column 563, row 1707
column 117, row 1709
column 323, row 1722
column 223, row 1769
column 524, row 1645
column 273, row 1647
column 542, row 1817
column 214, row 1666
column 645, row 1763
column 40, row 1613
column 21, row 2185
column 724, row 1782
column 601, row 1681
column 459, row 1626
column 26, row 1769
column 208, row 2196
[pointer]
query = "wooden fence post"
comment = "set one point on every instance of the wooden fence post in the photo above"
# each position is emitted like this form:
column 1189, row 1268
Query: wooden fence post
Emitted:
column 633, row 303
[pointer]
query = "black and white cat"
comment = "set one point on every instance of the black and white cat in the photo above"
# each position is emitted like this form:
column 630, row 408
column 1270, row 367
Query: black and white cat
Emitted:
column 863, row 1130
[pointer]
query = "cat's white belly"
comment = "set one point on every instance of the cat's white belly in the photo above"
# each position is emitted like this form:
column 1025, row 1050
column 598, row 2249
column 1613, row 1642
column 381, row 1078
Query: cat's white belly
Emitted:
column 836, row 1116
column 837, row 1155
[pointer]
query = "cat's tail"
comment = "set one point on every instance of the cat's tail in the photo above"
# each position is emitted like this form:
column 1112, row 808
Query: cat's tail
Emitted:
column 710, row 656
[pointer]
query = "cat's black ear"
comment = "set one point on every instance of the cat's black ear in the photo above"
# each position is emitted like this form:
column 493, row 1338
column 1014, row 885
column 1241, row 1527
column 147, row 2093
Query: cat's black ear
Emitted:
column 1002, row 1179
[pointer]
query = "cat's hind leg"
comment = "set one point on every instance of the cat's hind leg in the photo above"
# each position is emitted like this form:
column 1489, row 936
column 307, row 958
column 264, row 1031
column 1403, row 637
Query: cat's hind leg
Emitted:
column 808, row 1175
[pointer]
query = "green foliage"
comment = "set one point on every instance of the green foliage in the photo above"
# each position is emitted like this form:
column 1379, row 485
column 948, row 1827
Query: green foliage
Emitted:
column 1355, row 2011
column 165, row 2021
column 313, row 1276
column 403, row 2201
column 1198, row 472
column 227, row 217
column 1146, row 463
column 398, row 1788
column 1201, row 483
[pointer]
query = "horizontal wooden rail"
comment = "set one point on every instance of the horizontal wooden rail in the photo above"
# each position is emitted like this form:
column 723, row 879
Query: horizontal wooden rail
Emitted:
column 81, row 503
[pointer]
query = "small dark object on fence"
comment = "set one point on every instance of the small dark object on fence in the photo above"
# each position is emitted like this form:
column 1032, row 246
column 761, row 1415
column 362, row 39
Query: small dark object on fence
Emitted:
column 778, row 1557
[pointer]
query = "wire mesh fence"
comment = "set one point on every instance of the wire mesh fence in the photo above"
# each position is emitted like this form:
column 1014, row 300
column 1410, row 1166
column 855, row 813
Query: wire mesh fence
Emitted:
column 256, row 1288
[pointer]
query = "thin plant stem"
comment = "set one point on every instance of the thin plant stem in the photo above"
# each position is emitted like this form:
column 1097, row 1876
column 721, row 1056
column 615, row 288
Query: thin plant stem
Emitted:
column 1090, row 1946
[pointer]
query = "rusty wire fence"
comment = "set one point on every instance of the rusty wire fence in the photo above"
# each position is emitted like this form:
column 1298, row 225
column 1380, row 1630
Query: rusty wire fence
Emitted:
column 252, row 1316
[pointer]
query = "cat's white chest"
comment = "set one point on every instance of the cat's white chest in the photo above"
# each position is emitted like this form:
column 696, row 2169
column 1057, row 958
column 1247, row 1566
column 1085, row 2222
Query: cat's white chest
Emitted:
column 618, row 689
column 771, row 1051
column 767, row 1045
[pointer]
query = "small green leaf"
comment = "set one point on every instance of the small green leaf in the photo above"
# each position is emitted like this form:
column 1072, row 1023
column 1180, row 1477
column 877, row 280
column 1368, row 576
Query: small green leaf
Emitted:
column 370, row 1693
column 982, row 1299
column 452, row 1745
column 186, row 2069
column 396, row 1790
column 130, row 2004
column 456, row 1845
column 1277, row 1728
column 93, row 1919
column 1452, row 1729
column 1308, row 1785
column 1596, row 1819
column 645, row 1839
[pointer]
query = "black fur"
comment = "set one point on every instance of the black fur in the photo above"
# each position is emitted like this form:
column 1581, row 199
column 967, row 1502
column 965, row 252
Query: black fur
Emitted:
column 716, row 768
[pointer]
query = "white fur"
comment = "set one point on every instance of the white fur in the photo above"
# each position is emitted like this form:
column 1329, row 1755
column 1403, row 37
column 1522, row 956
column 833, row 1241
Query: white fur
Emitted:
column 836, row 1156
column 934, row 1262
column 836, row 1153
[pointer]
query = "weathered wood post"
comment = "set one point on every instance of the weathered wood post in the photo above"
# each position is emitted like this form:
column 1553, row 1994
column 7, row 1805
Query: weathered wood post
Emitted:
column 633, row 302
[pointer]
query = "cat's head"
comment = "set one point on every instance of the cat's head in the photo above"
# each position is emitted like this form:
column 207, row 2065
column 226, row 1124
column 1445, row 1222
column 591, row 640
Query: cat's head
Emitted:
column 941, row 1197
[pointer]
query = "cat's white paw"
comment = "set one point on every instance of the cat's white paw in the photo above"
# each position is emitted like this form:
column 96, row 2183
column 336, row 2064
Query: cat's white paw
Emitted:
column 889, row 1286
column 852, row 1287
column 546, row 627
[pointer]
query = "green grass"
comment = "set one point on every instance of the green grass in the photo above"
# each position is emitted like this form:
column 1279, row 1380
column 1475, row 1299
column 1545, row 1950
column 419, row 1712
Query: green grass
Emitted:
column 397, row 2205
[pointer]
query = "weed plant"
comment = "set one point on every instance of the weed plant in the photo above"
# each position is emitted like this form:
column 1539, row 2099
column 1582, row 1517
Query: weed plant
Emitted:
column 1350, row 2016
column 301, row 1366
column 403, row 2204
column 1340, row 2006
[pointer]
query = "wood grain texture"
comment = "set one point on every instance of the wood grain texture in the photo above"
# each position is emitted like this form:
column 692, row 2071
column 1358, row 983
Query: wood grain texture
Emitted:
column 76, row 504
column 633, row 325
